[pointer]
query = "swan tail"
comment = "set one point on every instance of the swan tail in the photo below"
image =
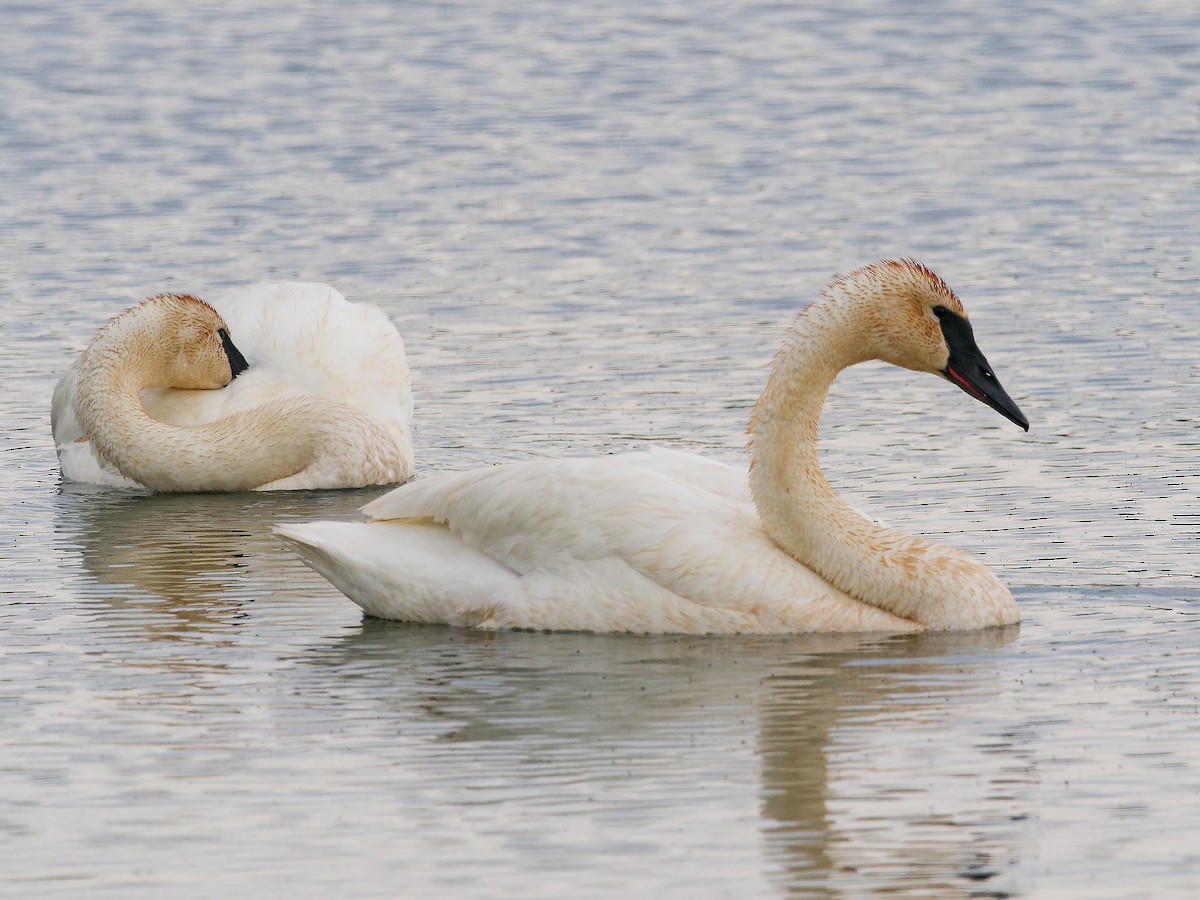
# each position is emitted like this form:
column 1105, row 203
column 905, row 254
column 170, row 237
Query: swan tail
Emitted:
column 410, row 571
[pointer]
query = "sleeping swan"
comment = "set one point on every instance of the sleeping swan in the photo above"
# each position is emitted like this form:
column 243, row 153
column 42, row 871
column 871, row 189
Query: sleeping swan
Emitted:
column 664, row 541
column 272, row 387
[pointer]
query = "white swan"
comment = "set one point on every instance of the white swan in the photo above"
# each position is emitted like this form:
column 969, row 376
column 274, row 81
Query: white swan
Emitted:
column 314, row 394
column 663, row 541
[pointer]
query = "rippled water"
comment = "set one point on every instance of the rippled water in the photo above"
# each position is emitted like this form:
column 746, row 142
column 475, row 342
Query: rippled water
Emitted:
column 592, row 222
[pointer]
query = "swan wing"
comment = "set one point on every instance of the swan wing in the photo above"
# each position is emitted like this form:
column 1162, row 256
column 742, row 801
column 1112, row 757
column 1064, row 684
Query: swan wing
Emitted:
column 422, row 572
column 720, row 478
column 532, row 515
column 614, row 544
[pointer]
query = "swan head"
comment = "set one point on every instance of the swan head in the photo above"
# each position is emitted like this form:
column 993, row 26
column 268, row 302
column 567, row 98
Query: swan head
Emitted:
column 196, row 350
column 913, row 319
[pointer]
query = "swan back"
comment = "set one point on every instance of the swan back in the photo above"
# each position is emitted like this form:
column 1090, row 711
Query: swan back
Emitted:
column 313, row 336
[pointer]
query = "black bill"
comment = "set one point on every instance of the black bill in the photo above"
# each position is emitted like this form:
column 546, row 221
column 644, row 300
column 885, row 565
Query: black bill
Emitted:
column 969, row 369
column 237, row 362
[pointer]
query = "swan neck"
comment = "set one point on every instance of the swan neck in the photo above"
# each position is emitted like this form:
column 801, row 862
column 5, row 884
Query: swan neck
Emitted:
column 785, row 422
column 128, row 356
column 906, row 575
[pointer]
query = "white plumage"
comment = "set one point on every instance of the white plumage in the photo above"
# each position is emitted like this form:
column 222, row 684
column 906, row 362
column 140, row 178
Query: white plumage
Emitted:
column 311, row 355
column 649, row 541
column 664, row 541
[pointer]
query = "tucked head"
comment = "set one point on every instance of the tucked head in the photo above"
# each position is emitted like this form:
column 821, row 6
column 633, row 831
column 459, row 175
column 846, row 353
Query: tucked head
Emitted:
column 915, row 321
column 180, row 336
column 196, row 345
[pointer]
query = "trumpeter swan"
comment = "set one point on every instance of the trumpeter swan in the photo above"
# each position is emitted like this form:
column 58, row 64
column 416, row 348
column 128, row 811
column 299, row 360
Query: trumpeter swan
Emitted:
column 663, row 541
column 272, row 387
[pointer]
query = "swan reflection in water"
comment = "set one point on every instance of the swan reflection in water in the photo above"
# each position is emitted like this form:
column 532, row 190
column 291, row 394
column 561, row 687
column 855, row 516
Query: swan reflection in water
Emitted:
column 206, row 555
column 884, row 770
column 882, row 763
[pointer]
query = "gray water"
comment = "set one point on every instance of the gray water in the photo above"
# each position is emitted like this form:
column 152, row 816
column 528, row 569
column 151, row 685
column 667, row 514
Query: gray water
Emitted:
column 592, row 221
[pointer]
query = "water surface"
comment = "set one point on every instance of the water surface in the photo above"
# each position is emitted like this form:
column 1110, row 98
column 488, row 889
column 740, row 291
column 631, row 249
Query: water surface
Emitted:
column 591, row 222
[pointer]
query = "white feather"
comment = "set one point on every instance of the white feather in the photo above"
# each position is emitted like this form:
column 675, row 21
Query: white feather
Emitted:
column 651, row 541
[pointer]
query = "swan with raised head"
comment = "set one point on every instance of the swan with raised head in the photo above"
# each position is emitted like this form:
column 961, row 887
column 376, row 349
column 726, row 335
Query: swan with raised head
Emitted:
column 664, row 541
column 272, row 387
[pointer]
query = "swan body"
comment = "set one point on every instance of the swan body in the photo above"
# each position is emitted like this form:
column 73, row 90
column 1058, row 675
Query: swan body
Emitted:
column 664, row 541
column 321, row 399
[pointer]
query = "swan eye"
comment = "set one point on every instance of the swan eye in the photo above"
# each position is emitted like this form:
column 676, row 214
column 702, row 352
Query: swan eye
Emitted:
column 223, row 334
column 940, row 311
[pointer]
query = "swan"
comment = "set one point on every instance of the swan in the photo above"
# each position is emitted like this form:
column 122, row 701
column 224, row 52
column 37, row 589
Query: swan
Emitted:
column 315, row 393
column 664, row 541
